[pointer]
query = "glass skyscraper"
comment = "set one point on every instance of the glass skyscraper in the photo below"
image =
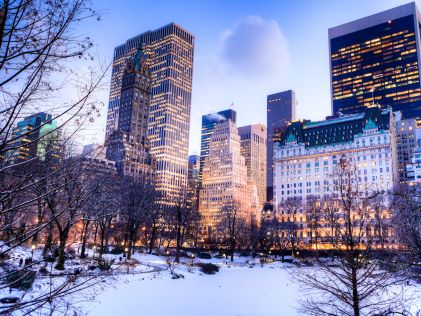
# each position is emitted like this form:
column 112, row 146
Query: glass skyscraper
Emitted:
column 281, row 109
column 208, row 124
column 31, row 137
column 169, row 54
column 376, row 59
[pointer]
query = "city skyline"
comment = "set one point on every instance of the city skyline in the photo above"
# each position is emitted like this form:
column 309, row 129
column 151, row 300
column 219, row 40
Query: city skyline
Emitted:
column 215, row 69
column 308, row 119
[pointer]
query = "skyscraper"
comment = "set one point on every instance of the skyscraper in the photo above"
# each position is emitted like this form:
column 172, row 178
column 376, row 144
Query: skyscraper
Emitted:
column 193, row 179
column 169, row 54
column 253, row 148
column 376, row 59
column 32, row 137
column 224, row 183
column 408, row 140
column 209, row 122
column 128, row 145
column 194, row 163
column 281, row 109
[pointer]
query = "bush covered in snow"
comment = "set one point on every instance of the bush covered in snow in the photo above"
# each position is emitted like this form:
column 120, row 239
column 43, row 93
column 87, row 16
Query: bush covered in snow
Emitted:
column 208, row 268
column 21, row 279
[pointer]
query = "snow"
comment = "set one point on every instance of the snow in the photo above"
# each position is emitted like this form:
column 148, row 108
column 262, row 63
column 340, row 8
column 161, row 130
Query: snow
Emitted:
column 146, row 287
column 235, row 290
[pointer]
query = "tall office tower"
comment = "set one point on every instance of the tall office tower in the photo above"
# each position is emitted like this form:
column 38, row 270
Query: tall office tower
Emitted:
column 224, row 182
column 208, row 124
column 376, row 59
column 253, row 148
column 127, row 145
column 193, row 179
column 32, row 137
column 169, row 52
column 194, row 166
column 408, row 140
column 281, row 109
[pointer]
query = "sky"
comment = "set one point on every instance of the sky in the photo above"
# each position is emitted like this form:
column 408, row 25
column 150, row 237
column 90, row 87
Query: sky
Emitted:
column 244, row 50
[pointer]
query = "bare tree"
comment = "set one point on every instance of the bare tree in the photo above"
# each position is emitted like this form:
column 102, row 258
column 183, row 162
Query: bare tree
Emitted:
column 184, row 220
column 290, row 209
column 407, row 219
column 138, row 199
column 39, row 50
column 313, row 213
column 352, row 282
column 233, row 226
column 37, row 45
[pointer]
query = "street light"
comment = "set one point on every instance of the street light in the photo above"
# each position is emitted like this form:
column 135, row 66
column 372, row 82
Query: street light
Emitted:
column 32, row 251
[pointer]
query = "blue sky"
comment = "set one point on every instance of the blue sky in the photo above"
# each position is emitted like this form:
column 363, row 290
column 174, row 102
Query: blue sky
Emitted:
column 244, row 50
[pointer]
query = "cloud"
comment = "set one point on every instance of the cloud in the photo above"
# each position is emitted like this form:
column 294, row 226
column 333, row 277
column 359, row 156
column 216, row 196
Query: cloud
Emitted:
column 257, row 49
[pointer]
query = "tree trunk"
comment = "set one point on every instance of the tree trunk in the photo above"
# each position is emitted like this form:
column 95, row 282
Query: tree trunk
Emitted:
column 131, row 239
column 232, row 246
column 107, row 233
column 153, row 236
column 102, row 237
column 177, row 252
column 49, row 240
column 84, row 239
column 61, row 252
column 355, row 297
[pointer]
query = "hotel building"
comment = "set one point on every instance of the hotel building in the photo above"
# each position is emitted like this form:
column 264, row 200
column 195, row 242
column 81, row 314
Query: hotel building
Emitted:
column 307, row 158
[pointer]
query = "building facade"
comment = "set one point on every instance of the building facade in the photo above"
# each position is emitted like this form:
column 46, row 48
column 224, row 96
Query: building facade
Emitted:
column 376, row 59
column 209, row 122
column 94, row 150
column 307, row 159
column 225, row 182
column 193, row 179
column 408, row 139
column 127, row 144
column 253, row 148
column 413, row 168
column 169, row 52
column 281, row 109
column 35, row 136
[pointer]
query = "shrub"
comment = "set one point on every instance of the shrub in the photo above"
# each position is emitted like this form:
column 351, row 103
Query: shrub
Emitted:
column 208, row 268
column 70, row 251
column 204, row 255
column 117, row 250
column 21, row 279
column 105, row 265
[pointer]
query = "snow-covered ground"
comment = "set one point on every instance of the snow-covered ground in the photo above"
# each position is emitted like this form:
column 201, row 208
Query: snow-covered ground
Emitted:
column 236, row 290
column 146, row 287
